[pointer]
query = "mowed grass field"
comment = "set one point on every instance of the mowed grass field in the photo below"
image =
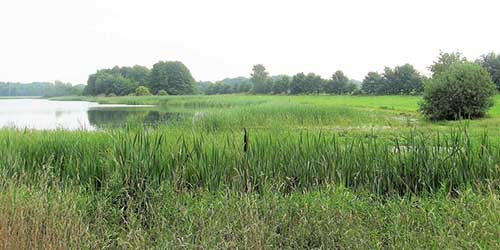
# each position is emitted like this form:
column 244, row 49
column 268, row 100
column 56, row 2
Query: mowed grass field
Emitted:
column 318, row 172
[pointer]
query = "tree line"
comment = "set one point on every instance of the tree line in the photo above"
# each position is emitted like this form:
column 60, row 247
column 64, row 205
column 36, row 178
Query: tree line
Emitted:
column 46, row 89
column 174, row 78
column 400, row 80
column 165, row 77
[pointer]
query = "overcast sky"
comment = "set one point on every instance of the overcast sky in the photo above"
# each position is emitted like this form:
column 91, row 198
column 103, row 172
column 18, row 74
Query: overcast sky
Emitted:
column 69, row 39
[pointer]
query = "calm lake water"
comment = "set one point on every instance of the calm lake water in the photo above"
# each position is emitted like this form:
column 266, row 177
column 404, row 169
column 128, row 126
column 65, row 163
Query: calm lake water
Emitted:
column 72, row 115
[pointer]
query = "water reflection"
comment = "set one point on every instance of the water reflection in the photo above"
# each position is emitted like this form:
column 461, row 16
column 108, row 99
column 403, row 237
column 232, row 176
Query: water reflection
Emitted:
column 117, row 117
column 45, row 114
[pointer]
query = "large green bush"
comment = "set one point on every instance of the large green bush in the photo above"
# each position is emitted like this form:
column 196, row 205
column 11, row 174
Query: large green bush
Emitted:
column 142, row 91
column 162, row 92
column 464, row 90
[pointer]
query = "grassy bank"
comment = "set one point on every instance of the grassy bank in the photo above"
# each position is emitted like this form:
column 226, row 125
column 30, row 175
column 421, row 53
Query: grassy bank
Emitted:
column 318, row 172
column 332, row 218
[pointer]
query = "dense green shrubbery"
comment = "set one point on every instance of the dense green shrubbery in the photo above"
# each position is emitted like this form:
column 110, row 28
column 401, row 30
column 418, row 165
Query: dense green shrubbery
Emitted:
column 162, row 92
column 464, row 90
column 142, row 91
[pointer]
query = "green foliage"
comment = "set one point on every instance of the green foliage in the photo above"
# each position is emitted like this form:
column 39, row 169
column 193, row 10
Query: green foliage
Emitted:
column 373, row 83
column 445, row 60
column 261, row 80
column 174, row 77
column 244, row 87
column 220, row 88
column 491, row 62
column 120, row 81
column 402, row 80
column 235, row 81
column 142, row 91
column 306, row 84
column 463, row 90
column 339, row 84
column 139, row 74
column 229, row 86
column 298, row 84
column 162, row 92
column 281, row 85
column 45, row 89
column 313, row 84
column 202, row 86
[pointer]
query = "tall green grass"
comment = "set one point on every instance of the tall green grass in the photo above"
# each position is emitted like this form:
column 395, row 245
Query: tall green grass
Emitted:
column 283, row 161
column 39, row 218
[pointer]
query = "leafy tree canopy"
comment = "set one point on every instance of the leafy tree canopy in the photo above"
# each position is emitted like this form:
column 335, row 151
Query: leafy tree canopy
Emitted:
column 172, row 76
column 445, row 60
column 491, row 62
column 260, row 79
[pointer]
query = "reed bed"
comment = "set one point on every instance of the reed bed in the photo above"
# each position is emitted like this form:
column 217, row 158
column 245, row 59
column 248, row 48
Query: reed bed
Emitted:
column 278, row 161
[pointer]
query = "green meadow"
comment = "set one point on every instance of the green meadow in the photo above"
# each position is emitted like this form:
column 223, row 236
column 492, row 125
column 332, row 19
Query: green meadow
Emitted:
column 316, row 172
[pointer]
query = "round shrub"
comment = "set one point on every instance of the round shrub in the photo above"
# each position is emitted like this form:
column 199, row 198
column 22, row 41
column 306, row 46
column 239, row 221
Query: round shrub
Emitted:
column 111, row 95
column 464, row 90
column 162, row 92
column 142, row 91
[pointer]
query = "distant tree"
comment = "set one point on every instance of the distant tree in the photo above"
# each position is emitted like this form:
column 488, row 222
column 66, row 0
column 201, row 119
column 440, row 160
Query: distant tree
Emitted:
column 120, row 81
column 202, row 86
column 58, row 88
column 445, row 60
column 260, row 79
column 281, row 85
column 78, row 89
column 491, row 62
column 236, row 85
column 314, row 83
column 403, row 80
column 91, row 88
column 174, row 77
column 235, row 81
column 211, row 89
column 46, row 89
column 142, row 91
column 390, row 85
column 244, row 87
column 350, row 88
column 338, row 84
column 105, row 82
column 138, row 74
column 373, row 83
column 298, row 84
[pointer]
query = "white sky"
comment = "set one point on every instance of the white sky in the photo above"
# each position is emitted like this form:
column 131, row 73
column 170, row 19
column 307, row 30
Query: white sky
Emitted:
column 69, row 39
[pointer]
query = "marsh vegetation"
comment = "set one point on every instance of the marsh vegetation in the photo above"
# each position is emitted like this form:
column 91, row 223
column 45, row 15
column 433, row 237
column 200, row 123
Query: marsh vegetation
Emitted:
column 318, row 172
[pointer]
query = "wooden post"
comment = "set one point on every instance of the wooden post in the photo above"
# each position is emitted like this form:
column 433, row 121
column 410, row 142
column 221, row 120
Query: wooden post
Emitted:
column 245, row 140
